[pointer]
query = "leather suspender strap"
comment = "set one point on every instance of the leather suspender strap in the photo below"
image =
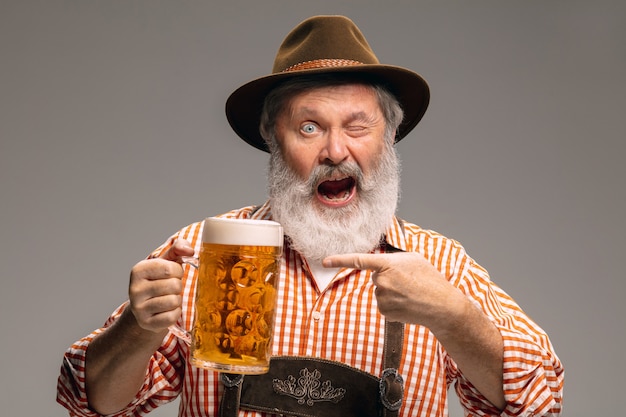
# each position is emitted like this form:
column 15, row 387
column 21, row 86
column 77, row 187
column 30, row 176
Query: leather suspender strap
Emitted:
column 391, row 382
column 394, row 339
column 229, row 406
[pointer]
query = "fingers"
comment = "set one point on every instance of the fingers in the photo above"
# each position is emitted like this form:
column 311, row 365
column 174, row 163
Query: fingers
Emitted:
column 168, row 265
column 155, row 287
column 156, row 269
column 158, row 313
column 144, row 274
column 155, row 293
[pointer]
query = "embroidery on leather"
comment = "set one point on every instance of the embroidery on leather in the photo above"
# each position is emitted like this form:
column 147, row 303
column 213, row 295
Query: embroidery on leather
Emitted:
column 308, row 388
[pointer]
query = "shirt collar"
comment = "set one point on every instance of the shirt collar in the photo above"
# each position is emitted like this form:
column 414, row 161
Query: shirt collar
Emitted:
column 394, row 235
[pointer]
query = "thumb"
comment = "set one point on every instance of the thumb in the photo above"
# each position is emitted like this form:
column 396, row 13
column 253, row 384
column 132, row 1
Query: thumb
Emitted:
column 180, row 249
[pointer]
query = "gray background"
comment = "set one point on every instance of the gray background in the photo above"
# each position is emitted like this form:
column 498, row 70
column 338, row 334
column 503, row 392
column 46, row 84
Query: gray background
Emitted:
column 113, row 136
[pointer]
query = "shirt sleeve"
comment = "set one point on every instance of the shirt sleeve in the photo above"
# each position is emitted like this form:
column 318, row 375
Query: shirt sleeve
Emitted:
column 161, row 385
column 532, row 372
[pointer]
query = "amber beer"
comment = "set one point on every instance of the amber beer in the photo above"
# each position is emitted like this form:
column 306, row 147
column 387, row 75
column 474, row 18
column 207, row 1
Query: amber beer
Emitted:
column 236, row 295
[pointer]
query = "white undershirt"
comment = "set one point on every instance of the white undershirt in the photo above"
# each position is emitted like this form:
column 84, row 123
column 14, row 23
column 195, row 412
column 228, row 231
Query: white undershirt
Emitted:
column 321, row 275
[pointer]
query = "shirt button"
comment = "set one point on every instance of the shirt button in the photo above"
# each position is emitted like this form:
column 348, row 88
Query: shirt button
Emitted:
column 317, row 315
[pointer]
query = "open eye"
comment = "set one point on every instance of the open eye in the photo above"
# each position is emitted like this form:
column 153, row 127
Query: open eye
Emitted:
column 309, row 128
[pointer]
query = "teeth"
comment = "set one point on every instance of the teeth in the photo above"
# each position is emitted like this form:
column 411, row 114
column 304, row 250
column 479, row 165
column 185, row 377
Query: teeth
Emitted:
column 336, row 179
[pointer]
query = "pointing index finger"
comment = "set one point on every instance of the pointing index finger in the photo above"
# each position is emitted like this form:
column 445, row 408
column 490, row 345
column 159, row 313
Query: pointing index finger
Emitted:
column 355, row 260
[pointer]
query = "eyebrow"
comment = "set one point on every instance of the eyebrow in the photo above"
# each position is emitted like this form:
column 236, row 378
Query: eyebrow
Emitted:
column 357, row 115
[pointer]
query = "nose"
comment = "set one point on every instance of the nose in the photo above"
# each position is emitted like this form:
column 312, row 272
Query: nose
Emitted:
column 335, row 149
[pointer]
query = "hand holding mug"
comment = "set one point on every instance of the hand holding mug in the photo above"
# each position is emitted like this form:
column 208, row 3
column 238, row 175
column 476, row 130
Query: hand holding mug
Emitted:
column 155, row 288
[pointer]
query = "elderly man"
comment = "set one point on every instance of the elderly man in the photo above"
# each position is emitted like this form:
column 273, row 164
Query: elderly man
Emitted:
column 361, row 291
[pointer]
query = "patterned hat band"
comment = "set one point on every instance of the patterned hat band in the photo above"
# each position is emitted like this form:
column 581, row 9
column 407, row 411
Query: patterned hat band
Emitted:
column 322, row 63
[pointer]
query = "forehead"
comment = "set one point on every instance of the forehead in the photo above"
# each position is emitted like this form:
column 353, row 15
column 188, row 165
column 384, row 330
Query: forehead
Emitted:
column 352, row 95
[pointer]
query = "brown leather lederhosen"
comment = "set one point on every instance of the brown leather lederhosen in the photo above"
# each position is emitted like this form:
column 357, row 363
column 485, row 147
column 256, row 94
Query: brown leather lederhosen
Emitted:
column 314, row 387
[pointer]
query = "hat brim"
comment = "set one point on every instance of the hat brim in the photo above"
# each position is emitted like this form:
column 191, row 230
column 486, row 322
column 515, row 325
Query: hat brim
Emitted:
column 244, row 106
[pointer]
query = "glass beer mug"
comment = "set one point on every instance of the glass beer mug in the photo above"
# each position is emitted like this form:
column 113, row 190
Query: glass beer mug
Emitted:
column 238, row 270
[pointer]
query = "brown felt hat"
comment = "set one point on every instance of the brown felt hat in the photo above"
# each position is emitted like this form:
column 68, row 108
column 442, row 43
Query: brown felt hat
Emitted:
column 325, row 45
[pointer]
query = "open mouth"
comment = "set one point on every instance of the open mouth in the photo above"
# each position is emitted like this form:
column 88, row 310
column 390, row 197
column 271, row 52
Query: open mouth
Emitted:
column 336, row 192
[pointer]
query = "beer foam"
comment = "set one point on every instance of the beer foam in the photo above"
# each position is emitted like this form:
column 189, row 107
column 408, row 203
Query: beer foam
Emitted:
column 247, row 232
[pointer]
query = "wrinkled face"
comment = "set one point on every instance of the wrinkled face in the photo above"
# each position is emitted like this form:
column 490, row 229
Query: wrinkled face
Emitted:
column 330, row 126
column 333, row 181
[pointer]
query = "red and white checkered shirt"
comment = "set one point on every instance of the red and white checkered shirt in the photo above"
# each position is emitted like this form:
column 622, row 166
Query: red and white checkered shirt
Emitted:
column 342, row 323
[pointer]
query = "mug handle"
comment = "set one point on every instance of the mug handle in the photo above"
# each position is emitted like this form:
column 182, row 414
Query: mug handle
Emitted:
column 176, row 330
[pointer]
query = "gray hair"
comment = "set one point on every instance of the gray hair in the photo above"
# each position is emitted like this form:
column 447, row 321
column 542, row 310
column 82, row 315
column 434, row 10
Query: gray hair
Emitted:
column 277, row 98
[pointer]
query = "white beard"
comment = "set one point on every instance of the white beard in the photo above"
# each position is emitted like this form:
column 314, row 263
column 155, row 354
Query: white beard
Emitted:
column 317, row 232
